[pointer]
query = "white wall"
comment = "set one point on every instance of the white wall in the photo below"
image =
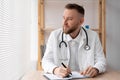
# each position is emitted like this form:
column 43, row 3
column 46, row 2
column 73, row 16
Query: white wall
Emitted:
column 113, row 33
column 54, row 12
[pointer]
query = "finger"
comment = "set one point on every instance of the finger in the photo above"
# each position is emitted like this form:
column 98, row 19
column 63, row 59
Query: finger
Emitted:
column 69, row 70
column 62, row 72
column 65, row 71
column 59, row 72
column 61, row 75
column 65, row 74
column 88, row 70
column 81, row 73
column 62, row 69
column 93, row 73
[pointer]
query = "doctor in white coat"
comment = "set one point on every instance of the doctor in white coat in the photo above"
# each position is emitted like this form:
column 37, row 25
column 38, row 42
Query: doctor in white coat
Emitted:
column 73, row 53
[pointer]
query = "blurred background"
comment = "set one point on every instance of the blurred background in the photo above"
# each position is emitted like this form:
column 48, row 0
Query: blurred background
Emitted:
column 19, row 35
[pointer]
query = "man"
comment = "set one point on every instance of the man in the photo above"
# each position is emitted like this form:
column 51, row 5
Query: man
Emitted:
column 72, row 50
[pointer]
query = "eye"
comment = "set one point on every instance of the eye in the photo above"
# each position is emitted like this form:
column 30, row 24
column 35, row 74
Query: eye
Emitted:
column 67, row 18
column 70, row 18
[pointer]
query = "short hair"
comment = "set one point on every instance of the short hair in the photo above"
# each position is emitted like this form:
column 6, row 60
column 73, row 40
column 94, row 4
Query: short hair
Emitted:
column 77, row 7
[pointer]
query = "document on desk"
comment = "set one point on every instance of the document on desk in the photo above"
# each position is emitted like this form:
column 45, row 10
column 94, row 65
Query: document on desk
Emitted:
column 75, row 75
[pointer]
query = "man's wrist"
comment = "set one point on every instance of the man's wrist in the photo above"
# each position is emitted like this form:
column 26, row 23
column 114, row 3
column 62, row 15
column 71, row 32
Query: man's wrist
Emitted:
column 96, row 69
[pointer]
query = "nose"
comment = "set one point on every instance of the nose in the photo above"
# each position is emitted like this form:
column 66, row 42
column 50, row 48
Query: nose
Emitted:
column 65, row 22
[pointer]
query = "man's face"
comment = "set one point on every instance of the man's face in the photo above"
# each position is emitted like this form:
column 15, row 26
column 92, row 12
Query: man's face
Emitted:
column 71, row 20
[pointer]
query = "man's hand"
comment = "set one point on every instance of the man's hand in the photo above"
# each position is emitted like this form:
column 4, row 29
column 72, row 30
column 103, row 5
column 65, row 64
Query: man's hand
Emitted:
column 61, row 71
column 90, row 71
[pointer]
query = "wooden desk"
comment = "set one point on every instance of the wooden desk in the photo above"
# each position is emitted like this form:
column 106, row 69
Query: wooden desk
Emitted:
column 109, row 75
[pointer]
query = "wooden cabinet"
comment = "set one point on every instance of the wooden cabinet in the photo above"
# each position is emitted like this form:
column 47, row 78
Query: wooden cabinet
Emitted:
column 41, row 27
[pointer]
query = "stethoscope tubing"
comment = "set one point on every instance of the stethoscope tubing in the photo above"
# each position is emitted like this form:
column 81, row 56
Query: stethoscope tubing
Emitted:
column 86, row 47
column 62, row 41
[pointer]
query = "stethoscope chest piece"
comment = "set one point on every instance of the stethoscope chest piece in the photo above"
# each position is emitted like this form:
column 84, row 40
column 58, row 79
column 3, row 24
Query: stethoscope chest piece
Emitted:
column 87, row 47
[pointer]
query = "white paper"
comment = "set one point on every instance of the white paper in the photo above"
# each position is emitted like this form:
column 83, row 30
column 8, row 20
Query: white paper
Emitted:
column 78, row 75
column 74, row 75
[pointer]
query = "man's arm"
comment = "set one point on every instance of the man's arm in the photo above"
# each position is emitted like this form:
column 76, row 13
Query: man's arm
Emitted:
column 47, row 60
column 100, row 61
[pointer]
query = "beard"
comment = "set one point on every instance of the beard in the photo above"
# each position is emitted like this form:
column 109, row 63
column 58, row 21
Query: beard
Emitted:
column 68, row 30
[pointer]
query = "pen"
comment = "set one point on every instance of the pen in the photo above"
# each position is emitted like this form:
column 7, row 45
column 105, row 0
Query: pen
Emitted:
column 65, row 67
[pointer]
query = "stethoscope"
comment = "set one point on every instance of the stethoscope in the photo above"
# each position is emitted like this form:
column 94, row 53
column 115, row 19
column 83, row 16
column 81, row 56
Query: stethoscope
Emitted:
column 86, row 47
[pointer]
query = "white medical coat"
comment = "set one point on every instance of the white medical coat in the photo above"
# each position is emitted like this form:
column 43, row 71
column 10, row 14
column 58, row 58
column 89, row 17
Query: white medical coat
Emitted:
column 54, row 55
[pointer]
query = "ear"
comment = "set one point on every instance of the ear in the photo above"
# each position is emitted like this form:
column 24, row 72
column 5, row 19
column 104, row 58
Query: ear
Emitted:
column 81, row 20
